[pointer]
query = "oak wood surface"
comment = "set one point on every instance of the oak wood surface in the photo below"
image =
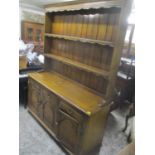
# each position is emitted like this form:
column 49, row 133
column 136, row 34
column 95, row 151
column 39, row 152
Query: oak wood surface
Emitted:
column 84, row 100
column 84, row 40
column 78, row 64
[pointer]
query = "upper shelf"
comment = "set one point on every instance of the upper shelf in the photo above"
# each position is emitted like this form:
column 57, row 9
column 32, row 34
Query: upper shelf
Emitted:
column 84, row 40
column 85, row 67
column 85, row 6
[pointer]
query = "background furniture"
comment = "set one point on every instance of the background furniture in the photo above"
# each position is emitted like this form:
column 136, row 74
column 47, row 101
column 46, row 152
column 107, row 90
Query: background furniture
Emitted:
column 33, row 33
column 71, row 98
column 125, row 83
column 23, row 87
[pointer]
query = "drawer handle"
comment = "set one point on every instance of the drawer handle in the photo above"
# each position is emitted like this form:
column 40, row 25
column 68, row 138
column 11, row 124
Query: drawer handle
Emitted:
column 67, row 115
column 68, row 111
column 58, row 122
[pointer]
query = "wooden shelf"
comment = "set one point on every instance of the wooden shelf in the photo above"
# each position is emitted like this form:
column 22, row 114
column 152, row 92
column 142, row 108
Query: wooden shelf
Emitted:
column 82, row 66
column 83, row 40
column 84, row 100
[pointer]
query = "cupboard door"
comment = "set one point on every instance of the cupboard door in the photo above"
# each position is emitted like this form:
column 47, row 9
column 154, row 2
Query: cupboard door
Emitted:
column 68, row 130
column 34, row 97
column 50, row 101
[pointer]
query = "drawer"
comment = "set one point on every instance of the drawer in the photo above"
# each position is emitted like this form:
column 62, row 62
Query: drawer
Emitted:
column 66, row 108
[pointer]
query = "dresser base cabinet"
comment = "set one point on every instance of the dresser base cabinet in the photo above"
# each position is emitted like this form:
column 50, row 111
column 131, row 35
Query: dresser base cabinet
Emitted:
column 76, row 132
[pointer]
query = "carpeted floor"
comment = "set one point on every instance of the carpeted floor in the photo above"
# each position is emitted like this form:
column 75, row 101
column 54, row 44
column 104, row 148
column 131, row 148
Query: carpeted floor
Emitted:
column 34, row 140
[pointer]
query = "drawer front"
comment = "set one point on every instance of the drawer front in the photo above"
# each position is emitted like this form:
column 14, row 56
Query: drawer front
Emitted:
column 70, row 111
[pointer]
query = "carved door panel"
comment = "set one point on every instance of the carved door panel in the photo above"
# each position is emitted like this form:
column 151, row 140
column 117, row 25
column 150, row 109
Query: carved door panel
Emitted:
column 35, row 103
column 68, row 129
column 50, row 101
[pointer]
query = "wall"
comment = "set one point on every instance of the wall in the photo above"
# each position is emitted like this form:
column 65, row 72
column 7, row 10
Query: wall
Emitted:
column 33, row 17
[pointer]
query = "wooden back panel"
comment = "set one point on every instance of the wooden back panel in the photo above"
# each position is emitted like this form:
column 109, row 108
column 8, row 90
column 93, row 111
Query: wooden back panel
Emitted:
column 90, row 80
column 98, row 25
column 89, row 54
